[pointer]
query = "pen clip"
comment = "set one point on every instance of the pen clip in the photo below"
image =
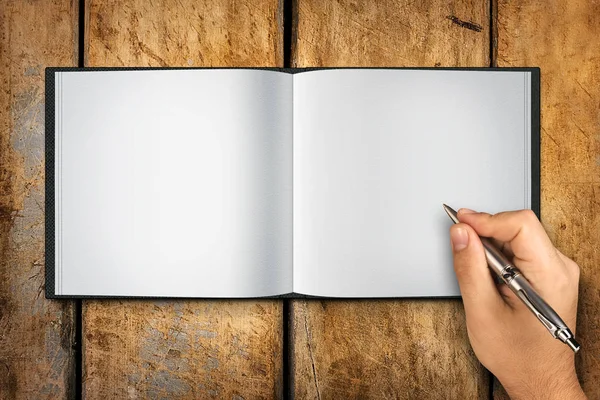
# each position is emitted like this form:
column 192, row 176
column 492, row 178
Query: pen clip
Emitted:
column 552, row 328
column 547, row 316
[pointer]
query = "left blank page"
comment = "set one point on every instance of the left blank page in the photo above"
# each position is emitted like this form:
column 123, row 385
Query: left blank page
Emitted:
column 174, row 183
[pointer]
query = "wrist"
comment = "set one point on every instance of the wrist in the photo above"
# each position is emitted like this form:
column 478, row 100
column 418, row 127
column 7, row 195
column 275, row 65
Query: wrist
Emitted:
column 566, row 388
column 568, row 394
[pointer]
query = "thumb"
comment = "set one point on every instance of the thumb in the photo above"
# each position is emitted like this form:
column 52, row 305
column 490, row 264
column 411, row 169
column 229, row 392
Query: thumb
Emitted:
column 477, row 286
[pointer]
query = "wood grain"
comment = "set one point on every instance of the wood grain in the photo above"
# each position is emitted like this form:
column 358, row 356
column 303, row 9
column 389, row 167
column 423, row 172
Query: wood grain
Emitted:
column 391, row 33
column 563, row 39
column 183, row 349
column 184, row 33
column 404, row 349
column 36, row 335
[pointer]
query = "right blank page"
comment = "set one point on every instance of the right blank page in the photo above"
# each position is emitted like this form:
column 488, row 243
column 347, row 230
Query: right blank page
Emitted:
column 377, row 152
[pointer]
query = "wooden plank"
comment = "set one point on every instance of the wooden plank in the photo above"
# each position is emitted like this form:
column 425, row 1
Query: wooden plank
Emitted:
column 183, row 349
column 563, row 39
column 387, row 349
column 391, row 33
column 36, row 335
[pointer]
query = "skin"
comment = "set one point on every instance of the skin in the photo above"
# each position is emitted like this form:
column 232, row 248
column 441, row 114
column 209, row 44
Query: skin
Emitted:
column 506, row 337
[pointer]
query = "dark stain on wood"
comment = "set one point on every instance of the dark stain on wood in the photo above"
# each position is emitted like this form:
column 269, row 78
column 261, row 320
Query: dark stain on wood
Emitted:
column 8, row 382
column 465, row 24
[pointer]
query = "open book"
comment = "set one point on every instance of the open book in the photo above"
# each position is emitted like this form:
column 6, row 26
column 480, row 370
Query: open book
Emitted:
column 268, row 182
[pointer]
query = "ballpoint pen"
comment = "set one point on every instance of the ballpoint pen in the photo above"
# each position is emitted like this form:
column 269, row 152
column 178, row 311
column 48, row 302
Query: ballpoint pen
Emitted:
column 513, row 278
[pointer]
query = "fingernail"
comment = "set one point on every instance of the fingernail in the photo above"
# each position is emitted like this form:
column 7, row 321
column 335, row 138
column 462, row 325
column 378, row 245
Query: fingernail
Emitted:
column 459, row 238
column 466, row 211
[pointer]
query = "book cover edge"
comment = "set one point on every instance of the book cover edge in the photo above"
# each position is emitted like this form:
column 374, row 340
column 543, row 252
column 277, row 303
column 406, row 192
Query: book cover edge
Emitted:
column 536, row 141
column 49, row 211
column 50, row 135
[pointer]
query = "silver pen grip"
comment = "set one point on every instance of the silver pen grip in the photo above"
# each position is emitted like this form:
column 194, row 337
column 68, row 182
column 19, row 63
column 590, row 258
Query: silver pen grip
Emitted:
column 522, row 288
column 538, row 306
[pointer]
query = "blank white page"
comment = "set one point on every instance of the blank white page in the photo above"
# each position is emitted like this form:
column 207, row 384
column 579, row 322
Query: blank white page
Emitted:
column 377, row 152
column 173, row 183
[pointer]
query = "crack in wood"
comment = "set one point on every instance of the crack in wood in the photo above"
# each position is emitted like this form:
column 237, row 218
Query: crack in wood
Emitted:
column 310, row 352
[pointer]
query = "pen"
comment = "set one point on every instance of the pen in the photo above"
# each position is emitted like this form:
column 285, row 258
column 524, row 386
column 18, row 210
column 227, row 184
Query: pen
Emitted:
column 511, row 275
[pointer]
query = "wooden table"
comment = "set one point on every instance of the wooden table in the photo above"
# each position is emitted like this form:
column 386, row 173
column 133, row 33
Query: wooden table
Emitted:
column 269, row 349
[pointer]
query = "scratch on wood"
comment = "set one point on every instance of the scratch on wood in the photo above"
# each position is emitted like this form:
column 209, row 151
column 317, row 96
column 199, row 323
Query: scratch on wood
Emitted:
column 581, row 130
column 310, row 352
column 549, row 136
column 583, row 88
column 465, row 24
column 148, row 51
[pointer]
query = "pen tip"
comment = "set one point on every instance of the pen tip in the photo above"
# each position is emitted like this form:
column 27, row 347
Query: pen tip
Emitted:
column 451, row 213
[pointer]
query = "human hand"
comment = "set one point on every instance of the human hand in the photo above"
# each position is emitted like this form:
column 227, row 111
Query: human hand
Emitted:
column 506, row 337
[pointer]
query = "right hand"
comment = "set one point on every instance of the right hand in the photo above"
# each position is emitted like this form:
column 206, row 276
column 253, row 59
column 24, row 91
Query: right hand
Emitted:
column 506, row 337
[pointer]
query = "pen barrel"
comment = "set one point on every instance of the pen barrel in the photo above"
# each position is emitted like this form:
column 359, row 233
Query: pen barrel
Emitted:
column 522, row 288
column 546, row 314
column 495, row 258
column 513, row 278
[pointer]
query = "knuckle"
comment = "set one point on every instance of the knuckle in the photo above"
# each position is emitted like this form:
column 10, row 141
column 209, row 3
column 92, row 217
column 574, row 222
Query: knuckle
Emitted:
column 528, row 221
column 528, row 216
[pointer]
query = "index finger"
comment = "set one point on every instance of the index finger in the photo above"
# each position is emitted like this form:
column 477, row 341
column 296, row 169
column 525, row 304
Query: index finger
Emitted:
column 522, row 229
